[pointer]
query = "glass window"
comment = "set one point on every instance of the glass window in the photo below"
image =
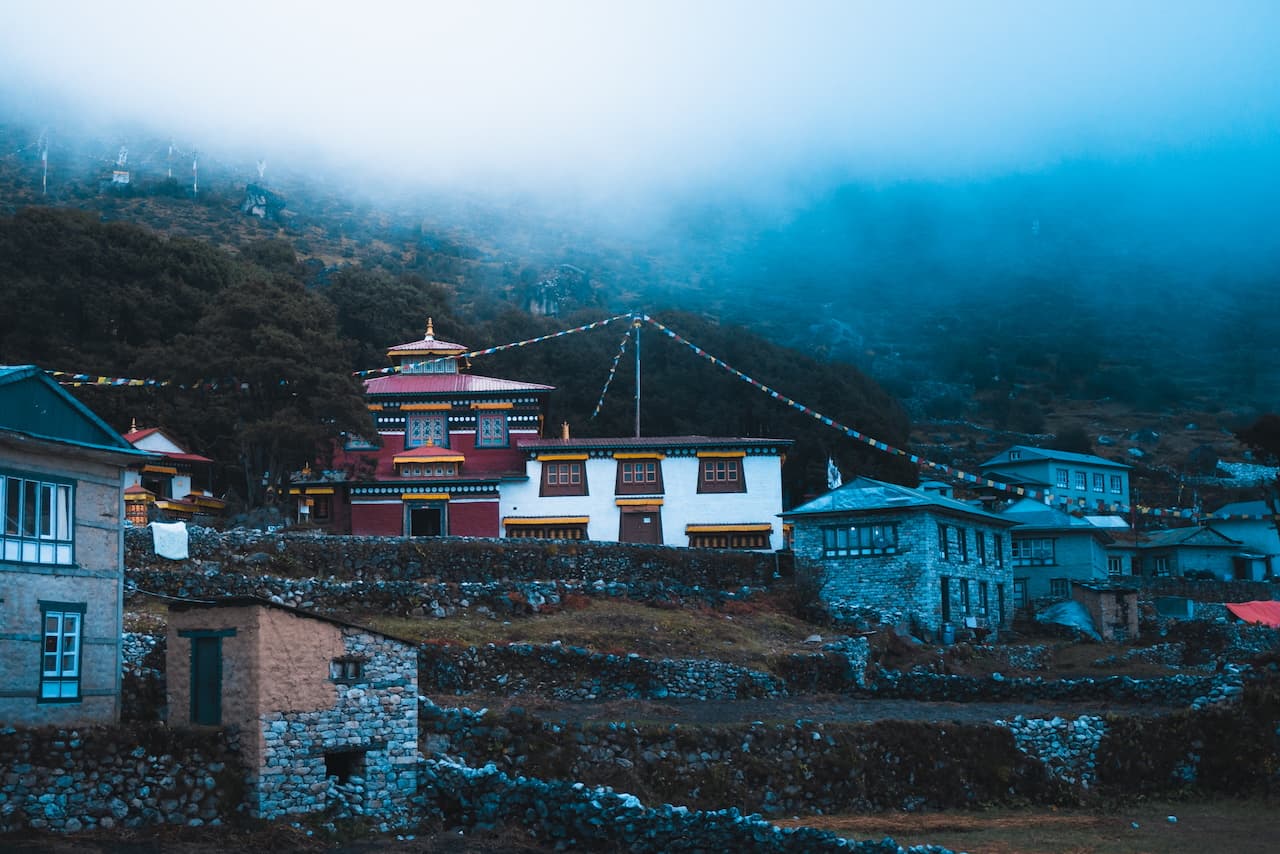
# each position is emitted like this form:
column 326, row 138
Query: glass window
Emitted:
column 1033, row 551
column 1099, row 483
column 1117, row 484
column 1081, row 481
column 422, row 430
column 38, row 524
column 1115, row 565
column 60, row 660
column 1059, row 588
column 860, row 540
column 721, row 475
column 491, row 430
column 1061, row 478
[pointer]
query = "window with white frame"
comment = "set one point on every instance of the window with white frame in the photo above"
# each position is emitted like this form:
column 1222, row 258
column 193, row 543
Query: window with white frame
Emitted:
column 1080, row 481
column 1032, row 551
column 1160, row 565
column 1059, row 588
column 1062, row 478
column 1117, row 485
column 860, row 540
column 1115, row 565
column 1099, row 482
column 38, row 520
column 60, row 658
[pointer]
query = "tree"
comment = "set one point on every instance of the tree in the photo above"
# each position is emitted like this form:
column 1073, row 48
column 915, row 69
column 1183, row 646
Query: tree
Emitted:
column 284, row 390
column 1264, row 435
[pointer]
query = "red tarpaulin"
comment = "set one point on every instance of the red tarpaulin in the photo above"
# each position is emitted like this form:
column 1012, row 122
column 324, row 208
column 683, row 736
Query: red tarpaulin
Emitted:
column 1267, row 613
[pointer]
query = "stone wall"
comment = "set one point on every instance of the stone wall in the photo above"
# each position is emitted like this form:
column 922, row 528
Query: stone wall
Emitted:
column 368, row 740
column 905, row 587
column 125, row 776
column 459, row 559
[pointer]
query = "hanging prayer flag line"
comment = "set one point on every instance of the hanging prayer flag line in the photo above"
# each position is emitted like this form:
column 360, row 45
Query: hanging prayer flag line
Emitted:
column 613, row 369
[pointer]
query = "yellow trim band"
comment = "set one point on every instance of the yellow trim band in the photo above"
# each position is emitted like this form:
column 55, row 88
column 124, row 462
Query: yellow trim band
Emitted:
column 728, row 529
column 549, row 520
column 161, row 469
column 639, row 456
column 426, row 407
column 722, row 453
column 424, row 496
column 493, row 406
column 423, row 458
column 320, row 490
column 373, row 407
column 637, row 502
column 550, row 458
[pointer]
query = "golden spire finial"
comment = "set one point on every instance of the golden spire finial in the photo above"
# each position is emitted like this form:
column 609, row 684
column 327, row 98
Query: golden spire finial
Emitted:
column 133, row 425
column 431, row 332
column 564, row 430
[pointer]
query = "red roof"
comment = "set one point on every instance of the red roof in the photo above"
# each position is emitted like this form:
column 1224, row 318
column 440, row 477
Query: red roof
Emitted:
column 134, row 435
column 445, row 384
column 188, row 458
column 1265, row 612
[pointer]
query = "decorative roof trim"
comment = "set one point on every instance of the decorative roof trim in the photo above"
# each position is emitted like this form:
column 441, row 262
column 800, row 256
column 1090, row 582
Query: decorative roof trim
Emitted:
column 426, row 407
column 546, row 520
column 640, row 456
column 560, row 457
column 502, row 405
column 722, row 453
column 638, row 502
column 424, row 496
column 718, row 529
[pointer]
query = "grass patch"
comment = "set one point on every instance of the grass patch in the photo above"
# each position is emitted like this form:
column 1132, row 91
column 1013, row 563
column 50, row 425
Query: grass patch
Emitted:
column 1221, row 825
column 747, row 637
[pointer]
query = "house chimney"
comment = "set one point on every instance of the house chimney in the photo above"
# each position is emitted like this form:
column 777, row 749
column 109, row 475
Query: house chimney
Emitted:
column 564, row 431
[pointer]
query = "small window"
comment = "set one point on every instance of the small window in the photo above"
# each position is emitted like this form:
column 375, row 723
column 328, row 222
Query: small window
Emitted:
column 1117, row 485
column 38, row 521
column 60, row 659
column 1059, row 588
column 422, row 430
column 564, row 478
column 860, row 540
column 1033, row 551
column 1160, row 565
column 1099, row 483
column 997, row 545
column 980, row 537
column 322, row 508
column 491, row 430
column 344, row 764
column 1115, row 565
column 639, row 477
column 1062, row 478
column 346, row 669
column 1015, row 455
column 1081, row 481
column 721, row 474
column 984, row 595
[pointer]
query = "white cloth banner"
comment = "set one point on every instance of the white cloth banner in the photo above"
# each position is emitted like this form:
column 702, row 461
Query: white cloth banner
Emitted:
column 170, row 539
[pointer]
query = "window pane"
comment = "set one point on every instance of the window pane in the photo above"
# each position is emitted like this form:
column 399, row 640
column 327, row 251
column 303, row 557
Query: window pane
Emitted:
column 12, row 502
column 28, row 526
column 46, row 510
column 62, row 516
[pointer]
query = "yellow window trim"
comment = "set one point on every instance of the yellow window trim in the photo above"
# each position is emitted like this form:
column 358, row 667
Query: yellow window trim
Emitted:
column 728, row 529
column 373, row 407
column 161, row 469
column 722, row 453
column 426, row 407
column 548, row 520
column 295, row 491
column 424, row 496
column 411, row 458
column 493, row 406
column 637, row 502
column 138, row 498
column 548, row 458
column 320, row 490
column 639, row 456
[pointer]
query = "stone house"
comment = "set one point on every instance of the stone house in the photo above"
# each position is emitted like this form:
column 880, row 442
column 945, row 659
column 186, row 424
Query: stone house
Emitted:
column 1081, row 480
column 902, row 554
column 62, row 474
column 1114, row 609
column 1253, row 524
column 1050, row 549
column 1193, row 550
column 327, row 710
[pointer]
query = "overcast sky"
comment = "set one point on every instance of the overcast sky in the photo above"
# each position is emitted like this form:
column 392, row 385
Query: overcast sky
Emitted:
column 666, row 93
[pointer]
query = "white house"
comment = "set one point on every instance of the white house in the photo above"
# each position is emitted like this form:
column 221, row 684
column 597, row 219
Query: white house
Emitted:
column 697, row 491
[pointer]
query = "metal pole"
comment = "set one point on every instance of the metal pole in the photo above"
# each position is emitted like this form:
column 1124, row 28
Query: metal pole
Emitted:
column 635, row 325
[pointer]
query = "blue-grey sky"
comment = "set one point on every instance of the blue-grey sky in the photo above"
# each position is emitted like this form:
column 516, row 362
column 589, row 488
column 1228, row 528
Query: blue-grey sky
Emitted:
column 665, row 94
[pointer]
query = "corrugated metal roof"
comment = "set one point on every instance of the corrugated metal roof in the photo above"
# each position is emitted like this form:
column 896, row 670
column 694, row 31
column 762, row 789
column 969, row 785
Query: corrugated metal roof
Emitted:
column 446, row 384
column 1183, row 536
column 1030, row 454
column 865, row 494
column 647, row 442
column 1244, row 508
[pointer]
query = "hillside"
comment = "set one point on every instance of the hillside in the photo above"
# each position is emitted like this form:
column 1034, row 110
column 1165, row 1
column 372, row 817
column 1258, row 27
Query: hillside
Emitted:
column 976, row 369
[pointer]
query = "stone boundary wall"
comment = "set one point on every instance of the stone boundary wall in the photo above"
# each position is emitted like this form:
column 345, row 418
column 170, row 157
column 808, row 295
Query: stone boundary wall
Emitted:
column 1177, row 690
column 576, row 674
column 777, row 769
column 128, row 776
column 573, row 816
column 460, row 559
column 1200, row 591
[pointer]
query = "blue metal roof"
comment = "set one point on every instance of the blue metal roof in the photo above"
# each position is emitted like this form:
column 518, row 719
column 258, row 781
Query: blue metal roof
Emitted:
column 33, row 405
column 1029, row 454
column 865, row 494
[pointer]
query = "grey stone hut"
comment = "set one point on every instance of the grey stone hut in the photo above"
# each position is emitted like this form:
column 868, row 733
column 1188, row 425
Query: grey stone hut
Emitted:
column 327, row 710
column 904, row 555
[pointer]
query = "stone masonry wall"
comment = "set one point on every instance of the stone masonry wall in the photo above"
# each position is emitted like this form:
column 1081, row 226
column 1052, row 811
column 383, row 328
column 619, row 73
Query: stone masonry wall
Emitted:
column 124, row 776
column 905, row 587
column 374, row 719
column 459, row 559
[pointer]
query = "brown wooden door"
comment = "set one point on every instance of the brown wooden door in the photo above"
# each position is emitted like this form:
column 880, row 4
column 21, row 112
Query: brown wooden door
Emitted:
column 640, row 525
